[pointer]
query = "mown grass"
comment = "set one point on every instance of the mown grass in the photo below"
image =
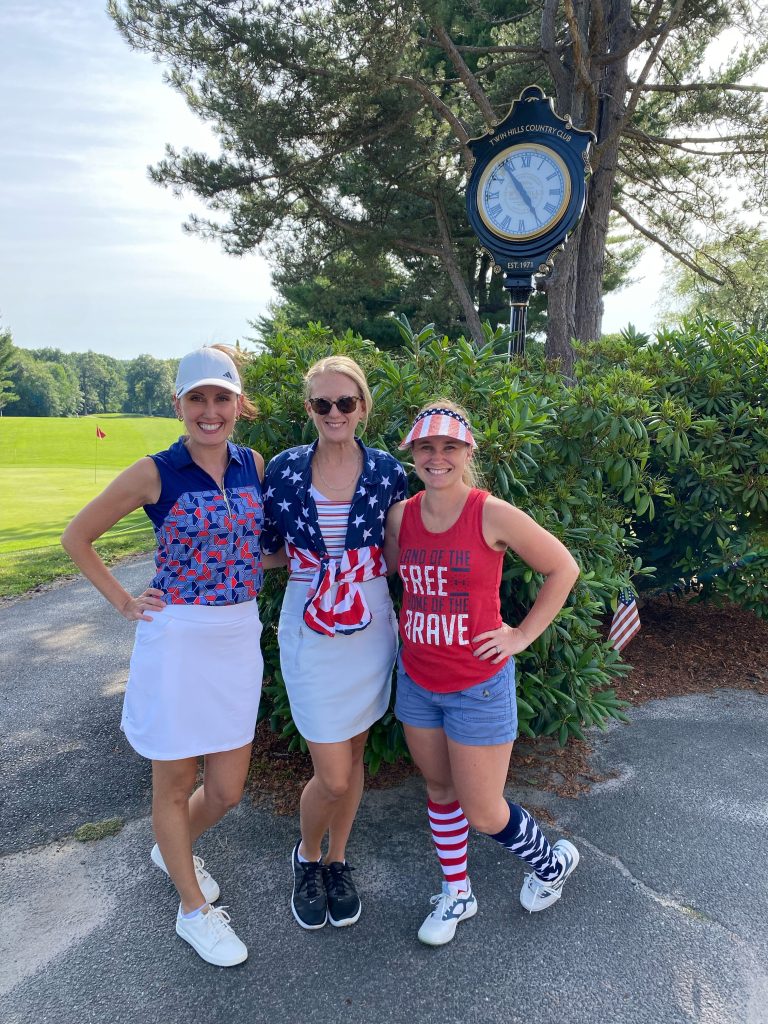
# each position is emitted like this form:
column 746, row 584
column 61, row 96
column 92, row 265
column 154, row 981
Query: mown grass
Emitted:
column 49, row 469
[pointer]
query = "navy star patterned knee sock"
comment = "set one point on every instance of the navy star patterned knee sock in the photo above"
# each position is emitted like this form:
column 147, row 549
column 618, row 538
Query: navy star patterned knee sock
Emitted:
column 523, row 837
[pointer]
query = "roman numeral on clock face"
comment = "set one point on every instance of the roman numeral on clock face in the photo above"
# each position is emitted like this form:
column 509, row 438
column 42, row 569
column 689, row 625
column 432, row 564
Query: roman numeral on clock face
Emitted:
column 524, row 191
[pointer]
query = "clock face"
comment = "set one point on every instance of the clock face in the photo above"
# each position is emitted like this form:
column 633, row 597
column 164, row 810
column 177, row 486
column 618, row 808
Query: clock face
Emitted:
column 524, row 191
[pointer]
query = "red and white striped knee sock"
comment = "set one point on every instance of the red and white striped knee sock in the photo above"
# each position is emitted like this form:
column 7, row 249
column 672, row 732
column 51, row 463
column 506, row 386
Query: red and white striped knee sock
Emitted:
column 450, row 832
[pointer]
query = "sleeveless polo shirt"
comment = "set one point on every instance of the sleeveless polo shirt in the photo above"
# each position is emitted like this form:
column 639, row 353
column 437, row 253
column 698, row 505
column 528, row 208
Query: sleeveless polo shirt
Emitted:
column 208, row 550
column 450, row 595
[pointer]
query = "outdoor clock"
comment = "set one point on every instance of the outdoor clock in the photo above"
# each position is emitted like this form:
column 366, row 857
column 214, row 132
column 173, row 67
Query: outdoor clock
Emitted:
column 524, row 191
column 527, row 191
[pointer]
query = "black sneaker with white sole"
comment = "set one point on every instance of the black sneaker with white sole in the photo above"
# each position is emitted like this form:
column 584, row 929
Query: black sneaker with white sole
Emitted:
column 343, row 902
column 308, row 902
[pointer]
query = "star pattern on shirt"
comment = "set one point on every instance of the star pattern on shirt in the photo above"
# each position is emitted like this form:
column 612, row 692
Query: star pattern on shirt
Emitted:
column 291, row 514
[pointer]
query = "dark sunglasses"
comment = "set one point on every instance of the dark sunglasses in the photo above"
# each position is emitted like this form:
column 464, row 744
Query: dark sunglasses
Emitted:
column 345, row 404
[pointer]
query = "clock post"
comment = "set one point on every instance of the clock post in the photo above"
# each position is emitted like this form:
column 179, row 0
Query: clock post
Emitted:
column 526, row 194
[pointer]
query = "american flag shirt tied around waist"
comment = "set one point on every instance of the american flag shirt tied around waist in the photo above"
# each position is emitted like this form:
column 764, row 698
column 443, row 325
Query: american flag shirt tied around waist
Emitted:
column 335, row 601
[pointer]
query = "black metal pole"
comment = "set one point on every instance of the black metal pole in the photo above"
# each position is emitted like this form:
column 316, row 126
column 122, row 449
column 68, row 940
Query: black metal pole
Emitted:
column 518, row 316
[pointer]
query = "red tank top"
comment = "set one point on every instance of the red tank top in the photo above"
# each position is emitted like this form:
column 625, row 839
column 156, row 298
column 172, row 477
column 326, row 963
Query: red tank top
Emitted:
column 450, row 595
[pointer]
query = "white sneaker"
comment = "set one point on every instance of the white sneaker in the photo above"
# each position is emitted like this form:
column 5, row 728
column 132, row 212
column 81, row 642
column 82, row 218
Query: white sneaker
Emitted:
column 209, row 887
column 212, row 936
column 440, row 926
column 537, row 895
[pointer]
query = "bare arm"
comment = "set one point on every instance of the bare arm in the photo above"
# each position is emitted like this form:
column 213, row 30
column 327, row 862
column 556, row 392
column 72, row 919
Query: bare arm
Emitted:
column 392, row 536
column 136, row 486
column 504, row 525
column 259, row 460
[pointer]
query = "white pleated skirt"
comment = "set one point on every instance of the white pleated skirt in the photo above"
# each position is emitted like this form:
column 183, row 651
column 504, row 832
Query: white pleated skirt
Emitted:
column 338, row 686
column 195, row 681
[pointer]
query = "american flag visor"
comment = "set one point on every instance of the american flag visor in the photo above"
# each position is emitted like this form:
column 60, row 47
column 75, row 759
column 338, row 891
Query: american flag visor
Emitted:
column 439, row 423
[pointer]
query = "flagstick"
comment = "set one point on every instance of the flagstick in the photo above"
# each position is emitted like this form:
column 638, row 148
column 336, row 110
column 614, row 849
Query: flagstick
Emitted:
column 96, row 453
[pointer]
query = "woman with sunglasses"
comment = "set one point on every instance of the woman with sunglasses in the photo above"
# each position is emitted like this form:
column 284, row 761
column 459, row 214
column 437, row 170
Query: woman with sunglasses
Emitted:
column 326, row 503
column 456, row 678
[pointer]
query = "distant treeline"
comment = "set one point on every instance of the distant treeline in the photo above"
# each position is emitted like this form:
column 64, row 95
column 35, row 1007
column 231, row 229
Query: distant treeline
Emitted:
column 48, row 382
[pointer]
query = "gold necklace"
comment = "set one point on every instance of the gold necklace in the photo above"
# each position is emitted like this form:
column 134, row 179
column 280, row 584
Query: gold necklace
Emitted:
column 331, row 487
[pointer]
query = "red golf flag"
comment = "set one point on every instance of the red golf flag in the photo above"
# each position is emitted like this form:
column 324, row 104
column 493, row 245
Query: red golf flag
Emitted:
column 99, row 431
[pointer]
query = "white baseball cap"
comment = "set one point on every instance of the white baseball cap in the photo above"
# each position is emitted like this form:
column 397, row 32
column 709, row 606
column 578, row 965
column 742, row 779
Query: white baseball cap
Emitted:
column 207, row 366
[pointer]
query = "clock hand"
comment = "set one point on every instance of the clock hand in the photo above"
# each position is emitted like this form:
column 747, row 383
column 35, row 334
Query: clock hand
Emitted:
column 524, row 195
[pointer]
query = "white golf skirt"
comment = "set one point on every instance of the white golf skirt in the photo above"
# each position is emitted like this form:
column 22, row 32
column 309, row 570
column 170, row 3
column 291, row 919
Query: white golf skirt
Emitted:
column 195, row 681
column 338, row 686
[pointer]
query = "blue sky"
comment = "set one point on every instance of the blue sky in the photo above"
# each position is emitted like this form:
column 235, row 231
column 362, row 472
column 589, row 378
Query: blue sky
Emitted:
column 92, row 254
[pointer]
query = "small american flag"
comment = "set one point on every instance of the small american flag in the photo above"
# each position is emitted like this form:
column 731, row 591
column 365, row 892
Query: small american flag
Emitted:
column 626, row 621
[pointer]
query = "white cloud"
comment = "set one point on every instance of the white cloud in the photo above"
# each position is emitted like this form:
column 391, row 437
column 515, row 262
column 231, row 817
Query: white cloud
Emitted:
column 93, row 254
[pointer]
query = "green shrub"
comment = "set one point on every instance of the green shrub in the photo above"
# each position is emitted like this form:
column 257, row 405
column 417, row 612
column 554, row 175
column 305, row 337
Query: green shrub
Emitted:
column 655, row 457
column 564, row 679
column 699, row 394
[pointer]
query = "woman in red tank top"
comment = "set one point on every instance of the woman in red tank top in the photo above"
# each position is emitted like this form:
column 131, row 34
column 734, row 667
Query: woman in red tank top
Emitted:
column 456, row 682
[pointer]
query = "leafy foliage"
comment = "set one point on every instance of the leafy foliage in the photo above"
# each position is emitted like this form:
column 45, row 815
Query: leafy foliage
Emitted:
column 7, row 363
column 49, row 382
column 657, row 457
column 45, row 387
column 698, row 485
column 739, row 291
column 344, row 128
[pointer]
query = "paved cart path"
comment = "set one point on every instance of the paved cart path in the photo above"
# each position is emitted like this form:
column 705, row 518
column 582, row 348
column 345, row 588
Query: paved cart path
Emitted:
column 665, row 921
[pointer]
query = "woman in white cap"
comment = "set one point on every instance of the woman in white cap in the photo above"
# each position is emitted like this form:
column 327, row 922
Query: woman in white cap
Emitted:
column 195, row 676
column 456, row 674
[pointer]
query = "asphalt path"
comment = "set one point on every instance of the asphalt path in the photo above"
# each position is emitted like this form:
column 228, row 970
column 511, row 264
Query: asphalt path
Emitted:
column 665, row 920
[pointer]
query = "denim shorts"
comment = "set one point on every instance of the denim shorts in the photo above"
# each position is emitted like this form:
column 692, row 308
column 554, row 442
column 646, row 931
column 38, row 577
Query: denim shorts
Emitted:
column 480, row 716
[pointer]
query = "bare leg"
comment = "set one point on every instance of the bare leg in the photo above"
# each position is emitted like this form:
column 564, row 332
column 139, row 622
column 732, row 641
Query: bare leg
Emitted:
column 346, row 810
column 223, row 781
column 334, row 790
column 429, row 750
column 480, row 774
column 172, row 782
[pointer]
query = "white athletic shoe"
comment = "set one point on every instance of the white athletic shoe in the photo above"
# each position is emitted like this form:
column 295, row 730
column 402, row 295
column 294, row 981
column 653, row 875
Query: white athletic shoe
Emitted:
column 212, row 936
column 440, row 926
column 209, row 887
column 536, row 895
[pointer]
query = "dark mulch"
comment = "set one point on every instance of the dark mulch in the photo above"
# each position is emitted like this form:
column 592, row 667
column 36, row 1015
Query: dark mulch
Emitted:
column 686, row 646
column 683, row 647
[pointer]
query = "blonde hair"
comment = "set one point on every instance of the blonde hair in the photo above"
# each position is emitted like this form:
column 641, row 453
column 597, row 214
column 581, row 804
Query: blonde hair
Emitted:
column 238, row 357
column 470, row 476
column 349, row 368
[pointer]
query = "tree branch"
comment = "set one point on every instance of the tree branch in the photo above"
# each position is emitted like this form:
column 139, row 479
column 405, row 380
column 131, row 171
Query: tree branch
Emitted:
column 629, row 110
column 664, row 245
column 365, row 231
column 448, row 259
column 579, row 48
column 549, row 46
column 635, row 133
column 477, row 95
column 648, row 31
column 443, row 110
column 535, row 50
column 697, row 87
